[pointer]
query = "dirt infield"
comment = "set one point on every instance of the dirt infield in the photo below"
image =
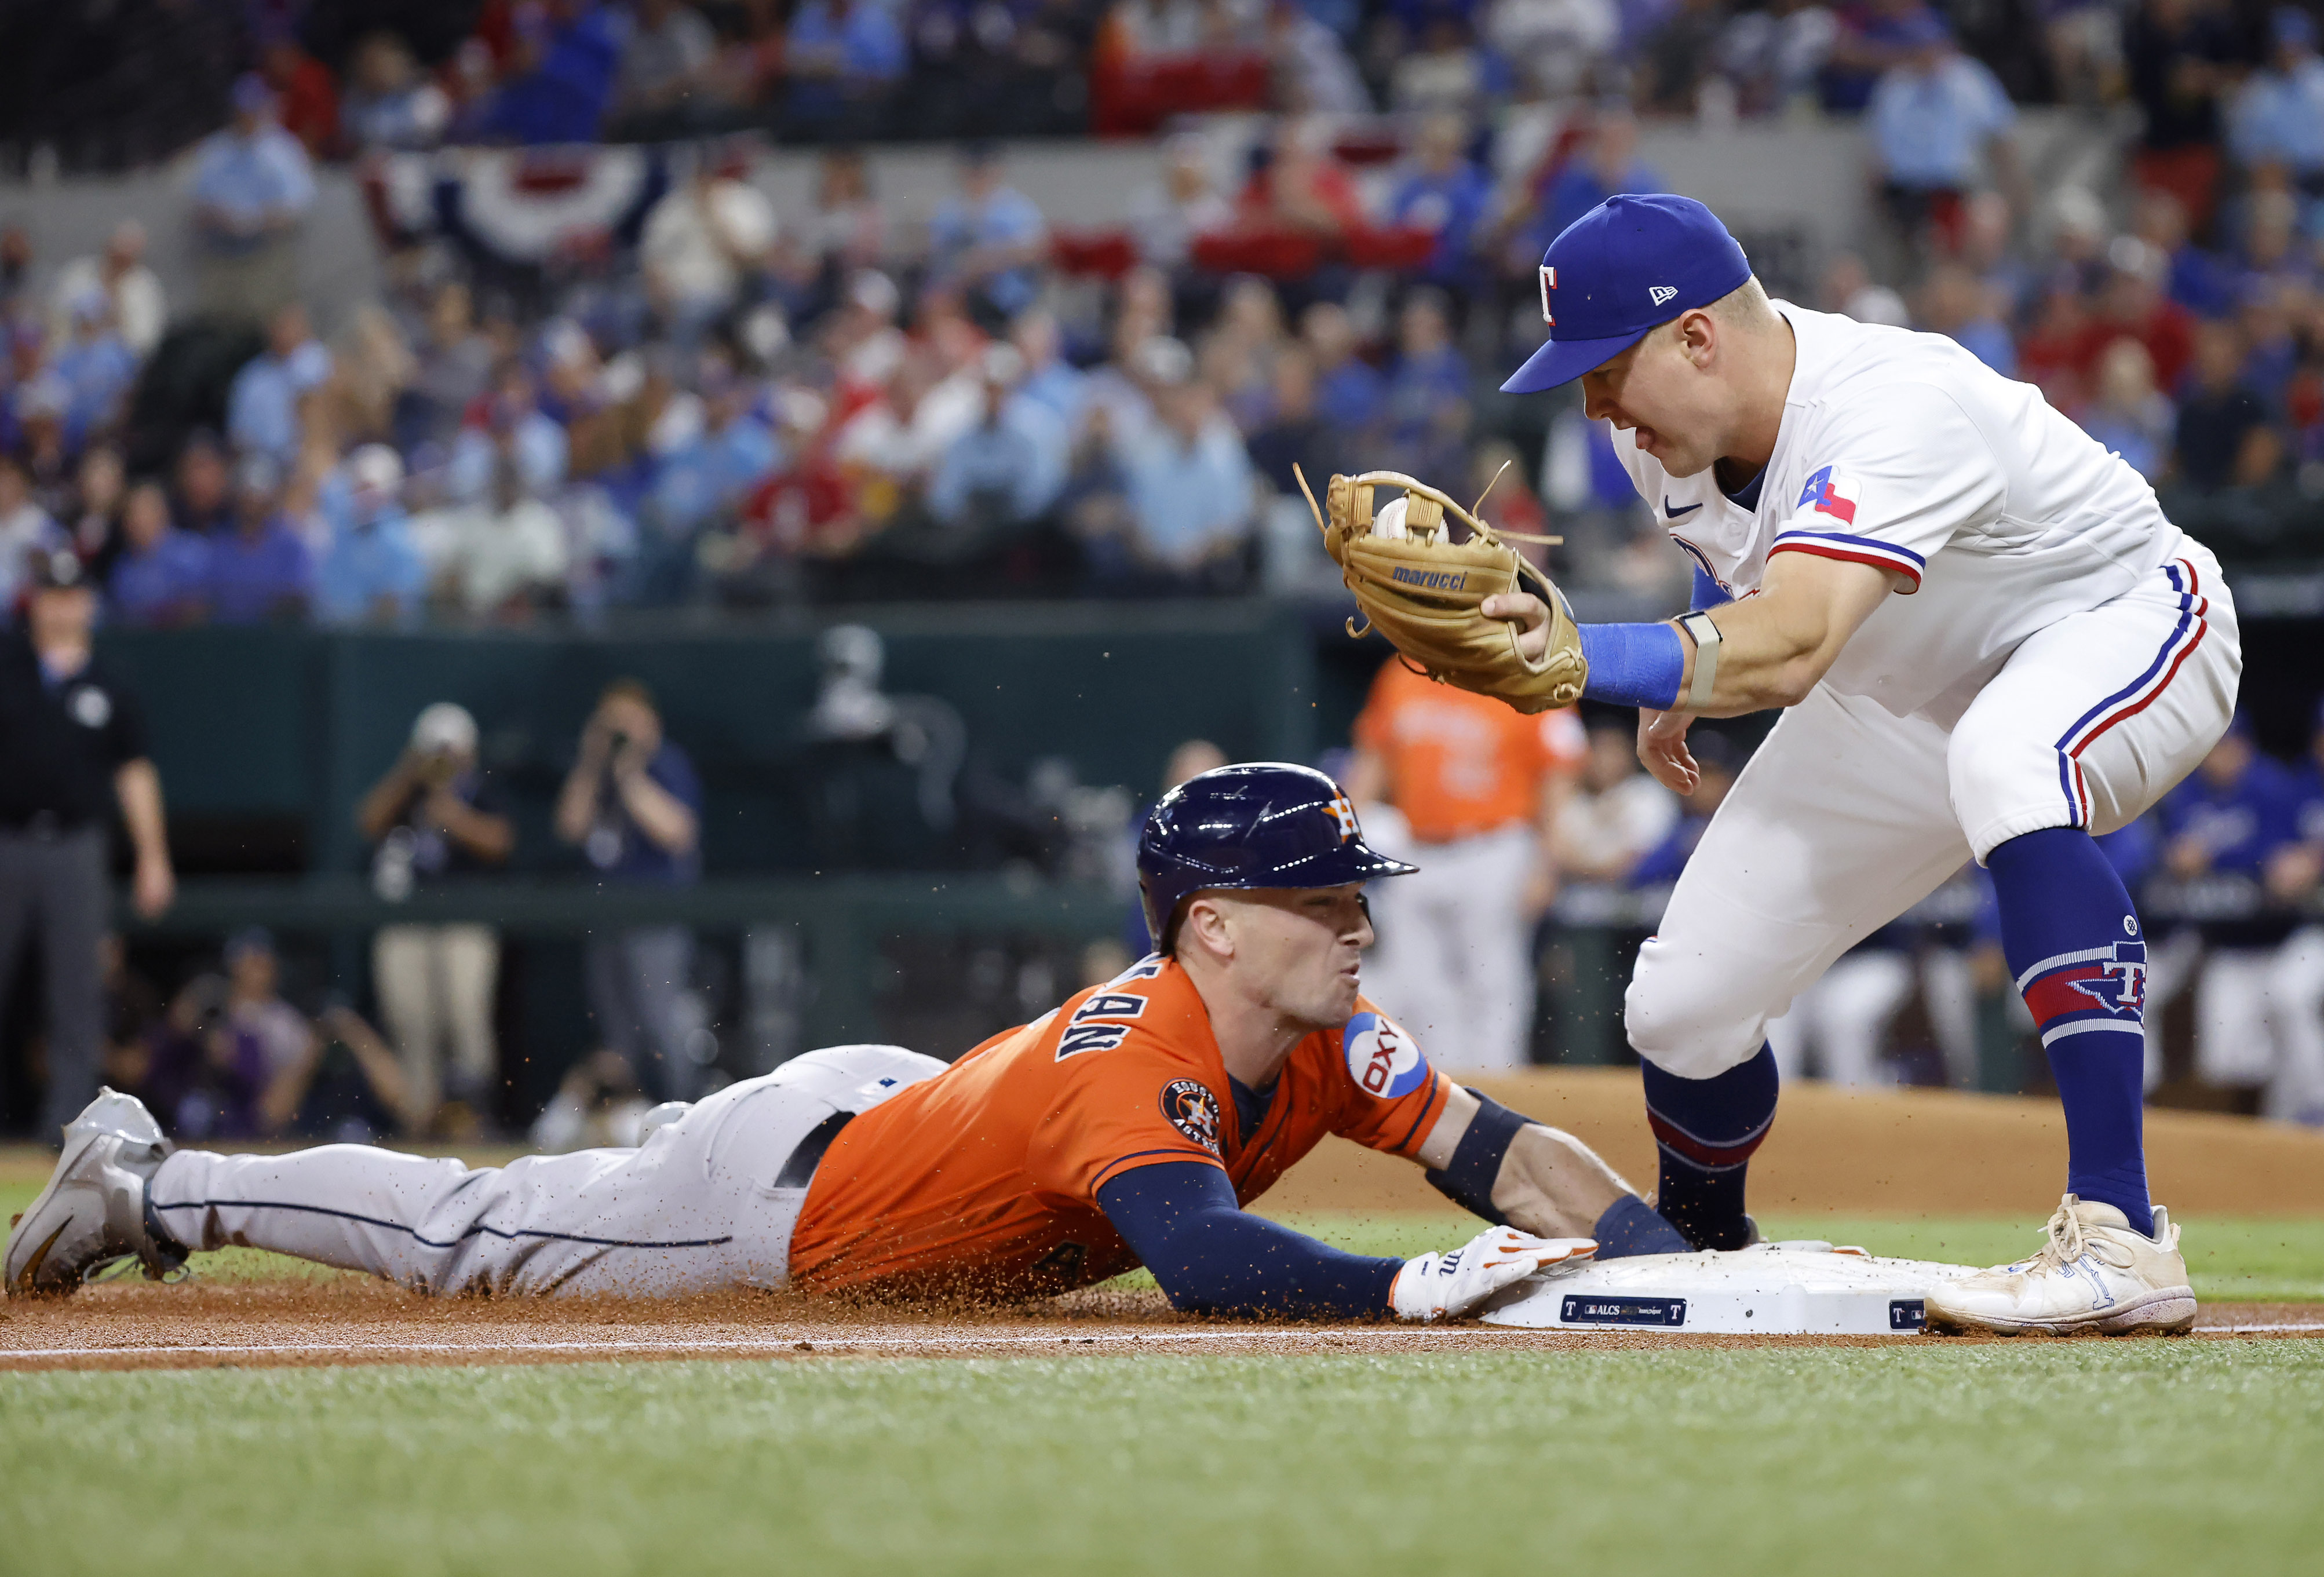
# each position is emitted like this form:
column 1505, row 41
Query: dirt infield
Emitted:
column 1890, row 1154
column 1869, row 1153
column 351, row 1320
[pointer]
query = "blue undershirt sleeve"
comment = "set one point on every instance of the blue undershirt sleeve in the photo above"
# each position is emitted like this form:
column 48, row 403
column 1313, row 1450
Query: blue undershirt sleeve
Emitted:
column 1213, row 1256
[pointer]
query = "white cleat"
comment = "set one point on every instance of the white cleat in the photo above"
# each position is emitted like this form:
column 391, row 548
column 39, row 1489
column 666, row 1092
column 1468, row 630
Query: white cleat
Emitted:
column 2094, row 1277
column 92, row 1213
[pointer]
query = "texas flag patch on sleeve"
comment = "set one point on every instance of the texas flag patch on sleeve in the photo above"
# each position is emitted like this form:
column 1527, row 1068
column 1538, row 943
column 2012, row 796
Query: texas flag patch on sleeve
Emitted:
column 1824, row 521
column 1829, row 493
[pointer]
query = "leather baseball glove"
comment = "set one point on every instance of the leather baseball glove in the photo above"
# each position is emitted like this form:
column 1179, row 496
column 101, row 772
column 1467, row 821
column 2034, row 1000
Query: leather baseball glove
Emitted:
column 1422, row 590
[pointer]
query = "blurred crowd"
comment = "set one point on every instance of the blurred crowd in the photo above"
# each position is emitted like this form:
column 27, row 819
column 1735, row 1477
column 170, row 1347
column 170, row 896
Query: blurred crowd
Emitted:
column 700, row 399
column 135, row 81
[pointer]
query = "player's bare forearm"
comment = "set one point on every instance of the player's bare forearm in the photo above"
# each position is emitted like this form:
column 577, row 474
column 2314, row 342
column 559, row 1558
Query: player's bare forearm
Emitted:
column 1775, row 646
column 1550, row 1183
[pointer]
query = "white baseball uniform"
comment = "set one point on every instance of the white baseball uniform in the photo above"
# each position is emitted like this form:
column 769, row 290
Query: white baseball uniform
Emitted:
column 2058, row 654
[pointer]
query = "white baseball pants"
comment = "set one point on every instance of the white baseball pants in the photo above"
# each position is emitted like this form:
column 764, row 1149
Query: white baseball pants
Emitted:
column 1849, row 814
column 1453, row 963
column 702, row 1204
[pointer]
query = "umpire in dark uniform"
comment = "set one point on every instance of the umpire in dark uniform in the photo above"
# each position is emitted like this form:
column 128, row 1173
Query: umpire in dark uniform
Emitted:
column 72, row 743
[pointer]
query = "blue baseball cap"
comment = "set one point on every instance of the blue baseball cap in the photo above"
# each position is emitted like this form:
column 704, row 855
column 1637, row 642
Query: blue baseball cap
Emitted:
column 1625, row 268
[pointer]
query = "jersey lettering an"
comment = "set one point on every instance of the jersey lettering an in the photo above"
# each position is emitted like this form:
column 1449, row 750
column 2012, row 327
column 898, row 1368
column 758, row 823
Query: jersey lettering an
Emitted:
column 984, row 1179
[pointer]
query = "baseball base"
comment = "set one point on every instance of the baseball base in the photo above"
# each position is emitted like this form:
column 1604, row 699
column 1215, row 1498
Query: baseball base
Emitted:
column 1790, row 1289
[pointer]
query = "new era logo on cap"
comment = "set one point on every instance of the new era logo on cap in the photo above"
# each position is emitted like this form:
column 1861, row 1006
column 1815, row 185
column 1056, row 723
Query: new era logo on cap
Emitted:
column 1662, row 293
column 1548, row 283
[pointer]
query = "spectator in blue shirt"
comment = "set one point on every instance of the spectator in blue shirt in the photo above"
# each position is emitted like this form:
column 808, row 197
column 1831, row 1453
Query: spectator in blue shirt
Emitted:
column 1190, row 490
column 1427, row 390
column 1957, row 304
column 842, row 57
column 513, row 425
column 1049, row 379
column 96, row 368
column 989, row 239
column 2277, row 118
column 162, row 572
column 263, row 406
column 1935, row 119
column 1447, row 194
column 568, row 54
column 373, row 570
column 710, row 474
column 1348, row 395
column 633, row 804
column 260, row 570
column 1007, row 469
column 252, row 187
column 1606, row 165
column 2232, row 813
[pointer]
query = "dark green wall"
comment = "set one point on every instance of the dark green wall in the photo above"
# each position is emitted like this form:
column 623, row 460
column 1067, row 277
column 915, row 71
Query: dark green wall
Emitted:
column 288, row 724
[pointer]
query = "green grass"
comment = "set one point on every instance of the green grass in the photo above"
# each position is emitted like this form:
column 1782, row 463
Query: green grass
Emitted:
column 2117, row 1457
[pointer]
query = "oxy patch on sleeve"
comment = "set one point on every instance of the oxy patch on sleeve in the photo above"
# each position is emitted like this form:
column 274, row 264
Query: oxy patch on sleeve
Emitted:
column 1384, row 1061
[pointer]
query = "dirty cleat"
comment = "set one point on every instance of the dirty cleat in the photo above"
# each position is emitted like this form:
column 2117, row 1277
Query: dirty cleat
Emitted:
column 92, row 1213
column 2094, row 1277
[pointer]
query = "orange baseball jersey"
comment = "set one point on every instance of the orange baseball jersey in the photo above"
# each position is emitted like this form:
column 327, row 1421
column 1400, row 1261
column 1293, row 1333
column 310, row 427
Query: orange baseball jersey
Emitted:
column 1459, row 763
column 985, row 1178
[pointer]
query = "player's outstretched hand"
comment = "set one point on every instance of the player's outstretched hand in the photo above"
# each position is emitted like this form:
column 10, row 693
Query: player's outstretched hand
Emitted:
column 1443, row 1286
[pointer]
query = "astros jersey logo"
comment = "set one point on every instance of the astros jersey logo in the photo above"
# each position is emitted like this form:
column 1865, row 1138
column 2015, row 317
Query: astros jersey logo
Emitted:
column 1382, row 1058
column 2119, row 987
column 1193, row 1110
column 1340, row 811
column 1548, row 283
column 1829, row 493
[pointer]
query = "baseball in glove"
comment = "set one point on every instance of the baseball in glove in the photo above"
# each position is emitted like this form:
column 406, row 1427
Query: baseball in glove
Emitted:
column 1422, row 590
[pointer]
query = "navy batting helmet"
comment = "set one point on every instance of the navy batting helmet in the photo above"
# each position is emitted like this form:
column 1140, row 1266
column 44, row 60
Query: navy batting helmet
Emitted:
column 1264, row 823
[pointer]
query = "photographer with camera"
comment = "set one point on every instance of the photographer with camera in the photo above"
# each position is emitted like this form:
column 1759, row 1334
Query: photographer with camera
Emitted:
column 633, row 804
column 436, row 817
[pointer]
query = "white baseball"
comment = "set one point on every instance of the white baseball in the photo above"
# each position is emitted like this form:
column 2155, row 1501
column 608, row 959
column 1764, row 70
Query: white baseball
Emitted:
column 1389, row 522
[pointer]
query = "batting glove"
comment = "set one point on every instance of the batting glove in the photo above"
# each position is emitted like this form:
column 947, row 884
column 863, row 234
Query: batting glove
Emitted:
column 1441, row 1287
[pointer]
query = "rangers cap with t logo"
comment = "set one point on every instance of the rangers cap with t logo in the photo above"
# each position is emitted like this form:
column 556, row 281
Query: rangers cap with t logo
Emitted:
column 1626, row 266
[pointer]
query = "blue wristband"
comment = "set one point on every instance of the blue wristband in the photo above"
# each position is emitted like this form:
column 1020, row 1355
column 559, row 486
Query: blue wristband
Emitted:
column 1634, row 665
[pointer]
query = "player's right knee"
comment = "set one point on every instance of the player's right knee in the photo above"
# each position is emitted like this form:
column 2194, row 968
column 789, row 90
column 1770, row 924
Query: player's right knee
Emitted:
column 1687, row 1027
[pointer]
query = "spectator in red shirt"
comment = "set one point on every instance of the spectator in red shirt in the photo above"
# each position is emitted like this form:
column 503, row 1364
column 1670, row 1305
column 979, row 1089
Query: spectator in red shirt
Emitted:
column 306, row 95
column 1298, row 186
column 2132, row 306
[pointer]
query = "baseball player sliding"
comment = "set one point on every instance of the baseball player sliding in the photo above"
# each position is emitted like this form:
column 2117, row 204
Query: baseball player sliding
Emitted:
column 1987, row 641
column 1129, row 1126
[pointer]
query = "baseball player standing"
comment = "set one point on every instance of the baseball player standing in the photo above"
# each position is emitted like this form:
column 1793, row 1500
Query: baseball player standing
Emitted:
column 1988, row 641
column 1129, row 1125
column 1478, row 789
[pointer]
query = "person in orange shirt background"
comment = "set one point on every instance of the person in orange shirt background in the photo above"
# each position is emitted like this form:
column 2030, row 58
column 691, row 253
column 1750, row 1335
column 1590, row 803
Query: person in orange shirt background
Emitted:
column 1468, row 790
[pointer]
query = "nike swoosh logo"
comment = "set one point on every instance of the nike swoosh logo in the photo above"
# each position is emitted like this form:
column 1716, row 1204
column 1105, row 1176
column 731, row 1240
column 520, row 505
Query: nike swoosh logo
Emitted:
column 1675, row 512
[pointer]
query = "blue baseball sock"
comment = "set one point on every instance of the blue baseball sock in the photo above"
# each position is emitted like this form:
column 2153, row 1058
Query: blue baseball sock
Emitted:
column 1630, row 1227
column 1706, row 1130
column 2076, row 948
